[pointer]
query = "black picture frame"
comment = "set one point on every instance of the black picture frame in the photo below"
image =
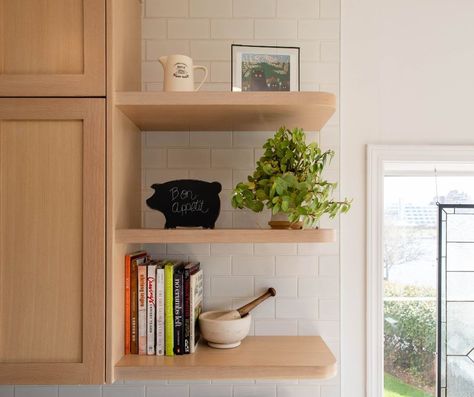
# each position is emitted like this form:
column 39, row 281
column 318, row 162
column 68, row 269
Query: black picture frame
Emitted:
column 292, row 52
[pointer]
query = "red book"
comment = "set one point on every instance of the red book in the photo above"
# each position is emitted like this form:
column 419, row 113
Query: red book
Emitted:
column 128, row 261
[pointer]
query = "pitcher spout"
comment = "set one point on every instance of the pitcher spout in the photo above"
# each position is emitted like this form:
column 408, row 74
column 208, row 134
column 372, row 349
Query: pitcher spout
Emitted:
column 163, row 59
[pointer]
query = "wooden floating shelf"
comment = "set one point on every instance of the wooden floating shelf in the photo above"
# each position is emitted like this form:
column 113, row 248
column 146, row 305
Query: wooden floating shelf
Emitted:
column 270, row 357
column 218, row 111
column 224, row 236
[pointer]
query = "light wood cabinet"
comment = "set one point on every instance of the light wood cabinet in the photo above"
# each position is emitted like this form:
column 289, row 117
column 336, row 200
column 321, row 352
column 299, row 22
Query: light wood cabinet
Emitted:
column 52, row 241
column 52, row 48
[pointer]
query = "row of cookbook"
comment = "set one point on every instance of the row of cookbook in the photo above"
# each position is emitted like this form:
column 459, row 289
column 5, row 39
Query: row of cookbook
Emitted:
column 163, row 300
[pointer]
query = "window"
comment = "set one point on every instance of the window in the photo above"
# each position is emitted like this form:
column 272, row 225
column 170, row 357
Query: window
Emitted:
column 402, row 262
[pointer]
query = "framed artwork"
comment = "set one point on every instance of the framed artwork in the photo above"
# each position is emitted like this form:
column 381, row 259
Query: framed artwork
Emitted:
column 265, row 68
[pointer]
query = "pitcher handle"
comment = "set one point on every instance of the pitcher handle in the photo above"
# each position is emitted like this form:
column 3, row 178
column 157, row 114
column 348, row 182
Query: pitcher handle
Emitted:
column 205, row 75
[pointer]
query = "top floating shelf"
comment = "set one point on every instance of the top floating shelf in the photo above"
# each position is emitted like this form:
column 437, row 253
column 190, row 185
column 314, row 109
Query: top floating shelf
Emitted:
column 226, row 111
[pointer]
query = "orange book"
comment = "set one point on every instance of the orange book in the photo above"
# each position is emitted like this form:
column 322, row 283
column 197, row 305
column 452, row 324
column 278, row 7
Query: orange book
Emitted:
column 128, row 261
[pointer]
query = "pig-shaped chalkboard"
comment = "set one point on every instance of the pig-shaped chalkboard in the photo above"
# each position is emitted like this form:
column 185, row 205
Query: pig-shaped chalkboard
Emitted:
column 187, row 202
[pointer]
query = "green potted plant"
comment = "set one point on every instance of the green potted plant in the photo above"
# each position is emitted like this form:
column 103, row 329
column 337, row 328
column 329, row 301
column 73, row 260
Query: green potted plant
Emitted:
column 288, row 181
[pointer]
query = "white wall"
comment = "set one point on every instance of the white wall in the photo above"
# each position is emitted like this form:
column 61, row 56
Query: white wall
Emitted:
column 406, row 78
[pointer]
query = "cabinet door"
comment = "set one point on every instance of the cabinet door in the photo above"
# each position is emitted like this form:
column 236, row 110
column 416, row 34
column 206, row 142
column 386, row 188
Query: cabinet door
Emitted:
column 52, row 48
column 52, row 238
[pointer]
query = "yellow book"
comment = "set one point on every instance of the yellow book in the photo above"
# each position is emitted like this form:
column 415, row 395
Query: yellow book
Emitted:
column 169, row 315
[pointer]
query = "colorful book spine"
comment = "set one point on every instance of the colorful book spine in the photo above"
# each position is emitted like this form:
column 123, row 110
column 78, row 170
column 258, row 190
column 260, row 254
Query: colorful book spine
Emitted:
column 150, row 309
column 169, row 320
column 127, row 304
column 134, row 302
column 142, row 329
column 178, row 298
column 160, row 310
column 189, row 269
column 196, row 297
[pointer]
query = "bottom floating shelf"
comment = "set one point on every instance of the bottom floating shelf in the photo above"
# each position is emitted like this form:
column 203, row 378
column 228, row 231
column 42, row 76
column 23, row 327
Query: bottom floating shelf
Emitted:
column 269, row 357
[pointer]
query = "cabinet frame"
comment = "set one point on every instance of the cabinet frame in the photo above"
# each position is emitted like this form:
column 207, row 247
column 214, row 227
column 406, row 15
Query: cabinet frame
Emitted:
column 92, row 368
column 90, row 83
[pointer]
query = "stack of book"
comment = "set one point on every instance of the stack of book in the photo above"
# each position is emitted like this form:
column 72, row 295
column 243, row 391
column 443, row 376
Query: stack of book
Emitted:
column 163, row 300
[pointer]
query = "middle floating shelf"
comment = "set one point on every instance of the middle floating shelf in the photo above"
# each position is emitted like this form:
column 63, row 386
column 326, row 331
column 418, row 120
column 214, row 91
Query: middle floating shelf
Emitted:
column 169, row 236
column 226, row 111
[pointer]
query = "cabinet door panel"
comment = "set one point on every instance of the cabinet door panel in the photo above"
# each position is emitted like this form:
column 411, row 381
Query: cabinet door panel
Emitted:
column 52, row 261
column 52, row 48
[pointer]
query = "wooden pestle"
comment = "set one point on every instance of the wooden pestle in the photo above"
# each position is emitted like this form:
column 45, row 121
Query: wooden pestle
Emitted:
column 244, row 310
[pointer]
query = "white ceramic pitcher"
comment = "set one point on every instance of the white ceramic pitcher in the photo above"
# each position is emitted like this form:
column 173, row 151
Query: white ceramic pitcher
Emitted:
column 179, row 73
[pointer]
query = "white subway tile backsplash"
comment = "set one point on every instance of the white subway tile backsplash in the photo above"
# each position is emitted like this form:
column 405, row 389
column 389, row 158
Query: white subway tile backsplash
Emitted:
column 330, row 51
column 319, row 72
column 154, row 219
column 232, row 158
column 329, row 309
column 276, row 29
column 275, row 327
column 226, row 204
column 157, row 251
column 326, row 329
column 250, row 139
column 284, row 286
column 245, row 219
column 240, row 176
column 217, row 303
column 158, row 48
column 164, row 139
column 80, row 391
column 163, row 175
column 215, row 87
column 220, row 72
column 329, row 266
column 330, row 9
column 189, row 249
column 253, row 265
column 189, row 28
column 166, row 8
column 296, row 265
column 36, row 391
column 232, row 249
column 167, row 391
column 302, row 308
column 189, row 158
column 297, row 8
column 225, row 220
column 224, row 176
column 254, row 9
column 298, row 391
column 210, row 8
column 214, row 390
column 218, row 139
column 275, row 249
column 232, row 286
column 212, row 50
column 255, row 391
column 330, row 391
column 7, row 391
column 154, row 158
column 314, row 29
column 309, row 49
column 213, row 265
column 324, row 287
column 152, row 72
column 318, row 248
column 232, row 29
column 153, row 86
column 154, row 28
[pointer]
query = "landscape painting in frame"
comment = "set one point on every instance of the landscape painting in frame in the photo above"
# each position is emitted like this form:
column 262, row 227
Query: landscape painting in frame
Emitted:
column 265, row 68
